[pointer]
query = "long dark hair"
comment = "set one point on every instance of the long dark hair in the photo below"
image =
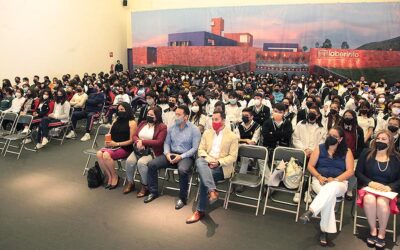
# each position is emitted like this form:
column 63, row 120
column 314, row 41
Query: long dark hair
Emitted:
column 196, row 116
column 128, row 110
column 341, row 149
column 354, row 125
column 63, row 97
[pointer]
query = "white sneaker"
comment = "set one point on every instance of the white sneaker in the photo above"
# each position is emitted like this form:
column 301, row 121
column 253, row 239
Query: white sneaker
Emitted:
column 296, row 198
column 44, row 141
column 39, row 146
column 71, row 135
column 26, row 130
column 86, row 137
column 307, row 198
column 27, row 141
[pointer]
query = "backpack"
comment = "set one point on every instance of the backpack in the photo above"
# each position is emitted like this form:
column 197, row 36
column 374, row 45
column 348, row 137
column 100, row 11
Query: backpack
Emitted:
column 95, row 176
column 293, row 174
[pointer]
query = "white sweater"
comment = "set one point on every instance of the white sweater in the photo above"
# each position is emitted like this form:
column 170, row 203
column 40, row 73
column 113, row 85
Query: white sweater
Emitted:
column 79, row 100
column 308, row 136
column 61, row 111
column 16, row 105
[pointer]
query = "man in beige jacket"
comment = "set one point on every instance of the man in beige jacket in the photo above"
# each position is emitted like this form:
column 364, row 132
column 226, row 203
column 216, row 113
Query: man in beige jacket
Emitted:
column 217, row 153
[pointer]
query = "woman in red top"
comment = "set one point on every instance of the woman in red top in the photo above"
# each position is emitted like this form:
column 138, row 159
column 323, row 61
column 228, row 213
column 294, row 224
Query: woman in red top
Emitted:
column 148, row 142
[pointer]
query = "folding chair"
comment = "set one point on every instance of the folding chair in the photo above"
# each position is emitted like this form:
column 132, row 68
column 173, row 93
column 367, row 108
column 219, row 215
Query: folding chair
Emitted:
column 340, row 200
column 249, row 180
column 219, row 189
column 173, row 172
column 285, row 153
column 101, row 131
column 63, row 126
column 10, row 119
column 393, row 231
column 23, row 120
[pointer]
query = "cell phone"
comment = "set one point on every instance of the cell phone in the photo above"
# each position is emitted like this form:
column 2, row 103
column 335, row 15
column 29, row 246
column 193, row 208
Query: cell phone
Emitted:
column 172, row 157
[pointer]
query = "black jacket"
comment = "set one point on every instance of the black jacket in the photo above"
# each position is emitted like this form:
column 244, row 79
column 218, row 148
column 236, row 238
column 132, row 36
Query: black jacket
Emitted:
column 274, row 136
column 262, row 115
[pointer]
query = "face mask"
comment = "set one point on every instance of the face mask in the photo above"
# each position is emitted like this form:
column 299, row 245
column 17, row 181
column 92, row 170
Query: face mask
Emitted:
column 121, row 114
column 245, row 119
column 330, row 140
column 195, row 109
column 180, row 100
column 26, row 89
column 45, row 97
column 217, row 125
column 309, row 104
column 381, row 100
column 333, row 112
column 348, row 121
column 150, row 101
column 311, row 117
column 393, row 129
column 363, row 111
column 396, row 111
column 18, row 95
column 232, row 101
column 178, row 121
column 381, row 145
column 149, row 119
column 79, row 90
column 257, row 102
column 171, row 104
column 59, row 98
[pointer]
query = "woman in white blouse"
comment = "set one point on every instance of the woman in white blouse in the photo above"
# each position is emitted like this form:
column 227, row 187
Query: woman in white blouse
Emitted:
column 197, row 116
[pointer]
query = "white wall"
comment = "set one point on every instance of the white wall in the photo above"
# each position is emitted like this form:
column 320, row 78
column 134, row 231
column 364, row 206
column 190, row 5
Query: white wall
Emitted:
column 55, row 37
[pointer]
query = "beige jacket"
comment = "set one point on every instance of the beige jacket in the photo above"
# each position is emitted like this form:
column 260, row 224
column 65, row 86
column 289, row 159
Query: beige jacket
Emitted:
column 228, row 153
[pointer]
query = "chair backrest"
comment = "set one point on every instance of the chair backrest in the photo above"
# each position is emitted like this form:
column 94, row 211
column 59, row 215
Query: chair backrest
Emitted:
column 285, row 153
column 11, row 118
column 25, row 119
column 103, row 129
column 252, row 151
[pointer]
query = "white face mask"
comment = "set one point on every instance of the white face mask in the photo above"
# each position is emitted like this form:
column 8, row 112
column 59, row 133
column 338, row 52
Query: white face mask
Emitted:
column 396, row 111
column 381, row 100
column 18, row 95
column 257, row 102
column 195, row 109
column 232, row 101
column 45, row 97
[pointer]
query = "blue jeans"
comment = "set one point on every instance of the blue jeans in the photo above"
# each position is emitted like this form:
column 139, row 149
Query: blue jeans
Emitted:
column 208, row 177
column 184, row 169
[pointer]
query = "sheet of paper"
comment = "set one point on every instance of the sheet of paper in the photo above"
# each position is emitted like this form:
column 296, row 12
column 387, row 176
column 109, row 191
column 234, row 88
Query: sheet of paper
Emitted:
column 389, row 195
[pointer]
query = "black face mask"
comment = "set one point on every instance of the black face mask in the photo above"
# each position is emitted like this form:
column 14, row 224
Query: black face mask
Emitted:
column 245, row 119
column 122, row 114
column 333, row 112
column 59, row 98
column 348, row 121
column 286, row 106
column 149, row 119
column 354, row 93
column 393, row 129
column 363, row 111
column 309, row 104
column 381, row 145
column 171, row 104
column 330, row 140
column 311, row 117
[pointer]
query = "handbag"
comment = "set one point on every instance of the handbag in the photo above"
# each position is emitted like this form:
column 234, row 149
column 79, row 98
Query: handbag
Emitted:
column 95, row 176
column 139, row 153
column 293, row 174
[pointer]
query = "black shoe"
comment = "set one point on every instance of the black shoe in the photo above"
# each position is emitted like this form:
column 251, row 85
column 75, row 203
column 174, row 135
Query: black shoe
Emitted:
column 306, row 217
column 323, row 239
column 380, row 243
column 348, row 197
column 239, row 189
column 180, row 204
column 150, row 198
column 115, row 186
column 371, row 240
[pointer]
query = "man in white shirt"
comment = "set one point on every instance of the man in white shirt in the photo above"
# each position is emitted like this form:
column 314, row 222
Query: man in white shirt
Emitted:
column 79, row 99
column 169, row 114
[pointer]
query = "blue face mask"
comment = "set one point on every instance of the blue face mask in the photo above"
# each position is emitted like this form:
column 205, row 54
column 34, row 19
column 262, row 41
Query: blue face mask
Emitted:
column 178, row 121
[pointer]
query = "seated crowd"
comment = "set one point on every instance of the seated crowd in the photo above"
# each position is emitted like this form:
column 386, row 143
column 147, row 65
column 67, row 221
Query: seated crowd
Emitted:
column 195, row 121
